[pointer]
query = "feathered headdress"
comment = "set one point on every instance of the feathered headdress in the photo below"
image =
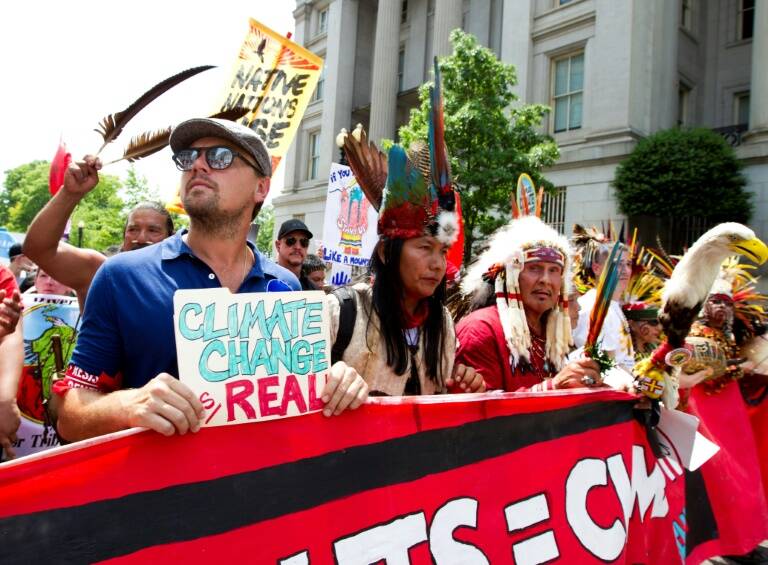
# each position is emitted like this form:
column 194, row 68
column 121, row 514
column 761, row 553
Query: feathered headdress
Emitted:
column 524, row 240
column 412, row 190
column 587, row 243
column 643, row 294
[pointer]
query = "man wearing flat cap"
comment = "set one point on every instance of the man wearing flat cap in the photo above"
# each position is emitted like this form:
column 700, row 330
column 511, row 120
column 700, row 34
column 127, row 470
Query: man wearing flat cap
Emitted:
column 123, row 372
column 292, row 244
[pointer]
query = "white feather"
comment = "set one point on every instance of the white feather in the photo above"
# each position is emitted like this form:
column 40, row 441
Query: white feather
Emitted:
column 507, row 242
column 694, row 275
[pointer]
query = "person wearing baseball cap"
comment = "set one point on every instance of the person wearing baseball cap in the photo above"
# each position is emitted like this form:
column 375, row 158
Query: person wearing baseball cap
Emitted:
column 123, row 372
column 20, row 265
column 292, row 244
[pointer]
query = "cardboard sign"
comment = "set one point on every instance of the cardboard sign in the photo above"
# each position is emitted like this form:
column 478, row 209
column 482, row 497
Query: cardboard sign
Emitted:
column 252, row 357
column 468, row 479
column 349, row 232
column 50, row 332
column 275, row 78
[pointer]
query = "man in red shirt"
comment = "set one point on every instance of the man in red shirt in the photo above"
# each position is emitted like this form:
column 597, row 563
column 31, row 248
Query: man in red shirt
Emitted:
column 518, row 333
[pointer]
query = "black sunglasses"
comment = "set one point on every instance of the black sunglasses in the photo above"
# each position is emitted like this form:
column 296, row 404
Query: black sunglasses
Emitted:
column 218, row 158
column 303, row 241
column 652, row 322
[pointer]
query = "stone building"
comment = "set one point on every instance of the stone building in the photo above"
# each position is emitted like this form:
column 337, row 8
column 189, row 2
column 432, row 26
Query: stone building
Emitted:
column 613, row 71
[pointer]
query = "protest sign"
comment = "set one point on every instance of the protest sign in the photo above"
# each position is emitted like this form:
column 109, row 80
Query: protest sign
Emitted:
column 255, row 356
column 470, row 479
column 50, row 326
column 349, row 228
column 275, row 78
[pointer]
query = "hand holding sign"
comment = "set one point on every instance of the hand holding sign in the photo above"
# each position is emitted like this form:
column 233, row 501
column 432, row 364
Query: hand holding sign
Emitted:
column 165, row 405
column 345, row 389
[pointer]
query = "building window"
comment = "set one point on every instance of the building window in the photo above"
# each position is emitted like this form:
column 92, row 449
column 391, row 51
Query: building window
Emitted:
column 322, row 21
column 741, row 108
column 430, row 7
column 404, row 12
column 313, row 155
column 553, row 209
column 300, row 217
column 318, row 94
column 683, row 104
column 746, row 18
column 686, row 14
column 568, row 92
column 400, row 69
column 563, row 2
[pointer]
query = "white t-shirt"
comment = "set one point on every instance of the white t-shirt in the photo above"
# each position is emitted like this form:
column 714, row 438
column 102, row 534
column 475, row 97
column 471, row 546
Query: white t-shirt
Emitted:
column 614, row 337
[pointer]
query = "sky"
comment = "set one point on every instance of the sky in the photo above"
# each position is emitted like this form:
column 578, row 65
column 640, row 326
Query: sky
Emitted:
column 67, row 64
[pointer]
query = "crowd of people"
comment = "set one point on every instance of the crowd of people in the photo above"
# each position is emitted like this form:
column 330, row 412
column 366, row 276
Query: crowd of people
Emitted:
column 517, row 320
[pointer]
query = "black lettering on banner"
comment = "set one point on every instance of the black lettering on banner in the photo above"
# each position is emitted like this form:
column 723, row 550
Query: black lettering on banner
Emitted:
column 275, row 134
column 226, row 503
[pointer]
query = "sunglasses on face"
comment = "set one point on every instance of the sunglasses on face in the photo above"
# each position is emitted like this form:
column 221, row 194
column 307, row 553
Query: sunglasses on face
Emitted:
column 218, row 158
column 652, row 322
column 303, row 241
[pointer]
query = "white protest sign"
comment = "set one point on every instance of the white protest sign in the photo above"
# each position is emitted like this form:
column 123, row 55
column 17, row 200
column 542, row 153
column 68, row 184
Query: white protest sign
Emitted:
column 252, row 357
column 349, row 231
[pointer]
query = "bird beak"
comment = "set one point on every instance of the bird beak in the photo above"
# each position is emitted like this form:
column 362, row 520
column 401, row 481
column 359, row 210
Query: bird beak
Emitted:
column 752, row 249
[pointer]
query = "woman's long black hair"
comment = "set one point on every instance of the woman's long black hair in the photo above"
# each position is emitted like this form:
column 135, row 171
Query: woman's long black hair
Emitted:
column 388, row 304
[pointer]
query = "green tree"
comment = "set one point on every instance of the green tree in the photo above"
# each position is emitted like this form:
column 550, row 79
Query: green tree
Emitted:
column 25, row 192
column 682, row 173
column 491, row 140
column 266, row 222
column 103, row 214
column 136, row 189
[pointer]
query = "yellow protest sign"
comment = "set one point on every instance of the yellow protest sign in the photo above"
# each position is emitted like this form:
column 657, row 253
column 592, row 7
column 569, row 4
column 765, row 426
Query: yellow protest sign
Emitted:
column 275, row 78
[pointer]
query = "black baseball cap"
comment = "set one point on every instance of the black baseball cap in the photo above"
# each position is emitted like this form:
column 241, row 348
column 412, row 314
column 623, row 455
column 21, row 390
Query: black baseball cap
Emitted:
column 293, row 225
column 15, row 250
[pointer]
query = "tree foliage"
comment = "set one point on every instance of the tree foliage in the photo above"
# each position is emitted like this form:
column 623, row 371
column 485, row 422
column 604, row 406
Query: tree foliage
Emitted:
column 25, row 192
column 266, row 222
column 491, row 139
column 681, row 173
column 136, row 189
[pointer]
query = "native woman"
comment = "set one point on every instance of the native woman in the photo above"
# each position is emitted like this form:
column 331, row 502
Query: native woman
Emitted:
column 402, row 339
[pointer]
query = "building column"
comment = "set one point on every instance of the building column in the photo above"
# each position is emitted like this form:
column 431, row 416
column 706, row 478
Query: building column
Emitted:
column 384, row 81
column 448, row 16
column 758, row 90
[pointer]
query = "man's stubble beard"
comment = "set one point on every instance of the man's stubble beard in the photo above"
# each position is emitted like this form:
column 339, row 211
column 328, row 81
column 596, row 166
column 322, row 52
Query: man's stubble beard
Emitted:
column 207, row 217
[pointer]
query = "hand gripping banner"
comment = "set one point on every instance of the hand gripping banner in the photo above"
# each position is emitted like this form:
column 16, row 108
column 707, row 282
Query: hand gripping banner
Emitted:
column 514, row 478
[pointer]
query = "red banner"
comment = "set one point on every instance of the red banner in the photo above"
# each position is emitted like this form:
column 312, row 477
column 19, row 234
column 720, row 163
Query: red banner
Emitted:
column 521, row 478
column 725, row 501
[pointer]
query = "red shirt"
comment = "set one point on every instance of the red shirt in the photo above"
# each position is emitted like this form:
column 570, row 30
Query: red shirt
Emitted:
column 7, row 281
column 483, row 347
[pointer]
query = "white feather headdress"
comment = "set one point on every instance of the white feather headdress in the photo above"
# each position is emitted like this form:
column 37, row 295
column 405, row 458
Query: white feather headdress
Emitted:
column 502, row 264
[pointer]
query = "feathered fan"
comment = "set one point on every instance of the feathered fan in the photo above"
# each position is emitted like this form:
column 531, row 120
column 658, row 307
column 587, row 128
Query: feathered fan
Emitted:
column 112, row 125
column 368, row 164
column 150, row 142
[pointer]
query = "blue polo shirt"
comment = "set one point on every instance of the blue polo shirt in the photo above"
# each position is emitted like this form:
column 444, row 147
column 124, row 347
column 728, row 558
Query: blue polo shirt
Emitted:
column 127, row 334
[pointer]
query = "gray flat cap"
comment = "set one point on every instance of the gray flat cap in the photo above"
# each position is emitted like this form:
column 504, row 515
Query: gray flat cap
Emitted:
column 245, row 138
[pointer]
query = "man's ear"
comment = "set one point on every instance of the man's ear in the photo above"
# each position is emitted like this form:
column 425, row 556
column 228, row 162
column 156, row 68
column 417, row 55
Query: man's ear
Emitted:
column 261, row 190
